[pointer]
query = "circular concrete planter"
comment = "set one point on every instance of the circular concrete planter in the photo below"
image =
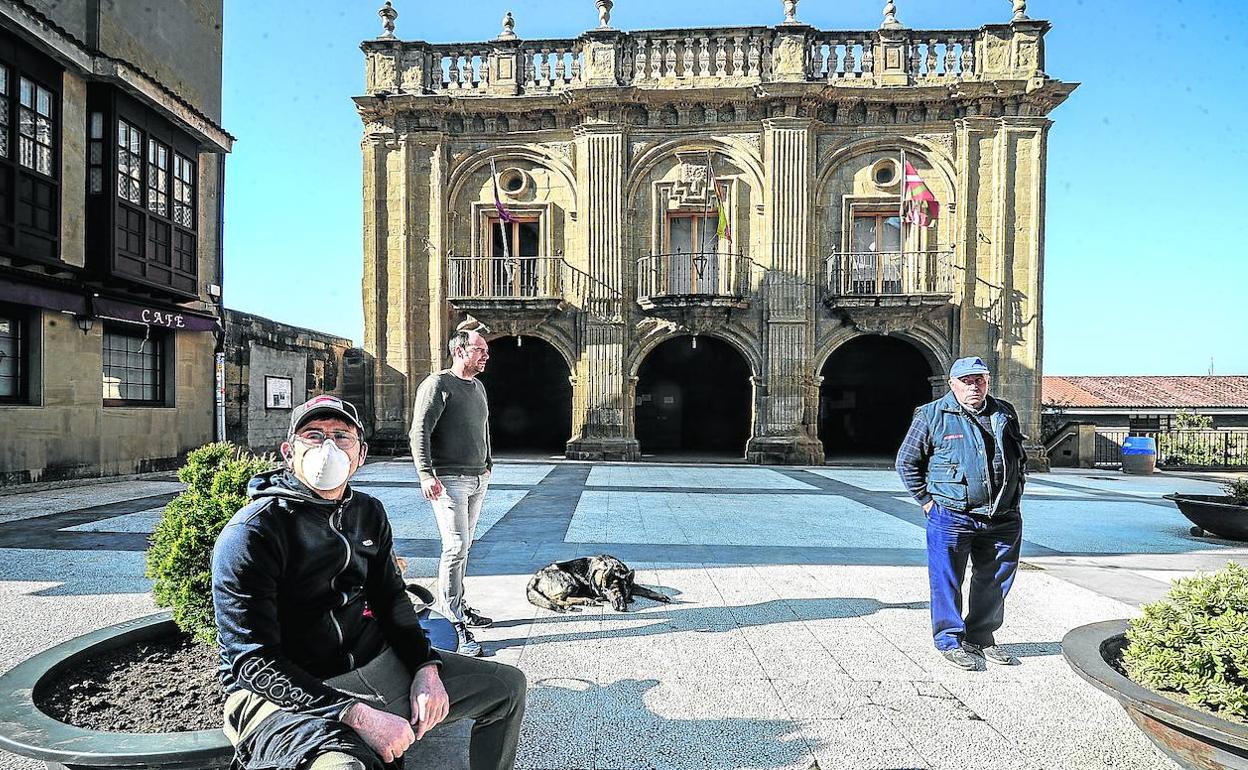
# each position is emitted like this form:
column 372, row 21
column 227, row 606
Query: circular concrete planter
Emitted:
column 27, row 731
column 1214, row 513
column 1194, row 739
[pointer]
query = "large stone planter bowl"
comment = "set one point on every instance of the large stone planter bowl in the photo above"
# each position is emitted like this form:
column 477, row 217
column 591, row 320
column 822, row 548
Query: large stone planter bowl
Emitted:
column 26, row 730
column 1214, row 513
column 1195, row 739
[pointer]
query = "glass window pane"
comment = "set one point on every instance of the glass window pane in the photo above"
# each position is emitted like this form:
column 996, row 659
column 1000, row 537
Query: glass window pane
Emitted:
column 892, row 234
column 97, row 125
column 4, row 79
column 27, row 95
column 864, row 234
column 44, row 105
column 681, row 234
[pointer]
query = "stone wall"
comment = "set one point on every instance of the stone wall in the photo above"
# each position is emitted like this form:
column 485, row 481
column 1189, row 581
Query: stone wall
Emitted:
column 314, row 363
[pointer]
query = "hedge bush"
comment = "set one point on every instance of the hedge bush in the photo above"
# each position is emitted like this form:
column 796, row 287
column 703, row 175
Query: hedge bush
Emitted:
column 179, row 557
column 1238, row 489
column 1194, row 643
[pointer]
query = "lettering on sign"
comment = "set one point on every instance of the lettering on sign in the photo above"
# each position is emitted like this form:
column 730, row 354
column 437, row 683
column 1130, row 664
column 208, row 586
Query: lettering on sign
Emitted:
column 170, row 320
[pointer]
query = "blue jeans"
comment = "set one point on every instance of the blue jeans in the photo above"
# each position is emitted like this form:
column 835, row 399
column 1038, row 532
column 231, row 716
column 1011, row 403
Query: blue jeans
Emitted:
column 993, row 547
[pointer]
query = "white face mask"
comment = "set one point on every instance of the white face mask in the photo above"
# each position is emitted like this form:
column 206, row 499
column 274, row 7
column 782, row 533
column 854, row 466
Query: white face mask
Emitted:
column 325, row 467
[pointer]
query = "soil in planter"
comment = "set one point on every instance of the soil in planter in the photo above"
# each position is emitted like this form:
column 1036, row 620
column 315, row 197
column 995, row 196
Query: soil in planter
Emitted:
column 158, row 686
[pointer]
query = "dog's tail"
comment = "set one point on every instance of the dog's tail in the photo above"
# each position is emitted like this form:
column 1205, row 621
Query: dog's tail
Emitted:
column 538, row 598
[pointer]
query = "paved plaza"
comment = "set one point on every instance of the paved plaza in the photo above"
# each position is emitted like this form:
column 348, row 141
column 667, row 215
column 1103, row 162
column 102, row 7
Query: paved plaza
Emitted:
column 798, row 636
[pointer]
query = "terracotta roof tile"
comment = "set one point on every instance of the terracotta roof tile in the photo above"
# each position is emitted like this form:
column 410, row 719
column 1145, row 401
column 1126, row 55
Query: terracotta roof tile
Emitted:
column 1224, row 391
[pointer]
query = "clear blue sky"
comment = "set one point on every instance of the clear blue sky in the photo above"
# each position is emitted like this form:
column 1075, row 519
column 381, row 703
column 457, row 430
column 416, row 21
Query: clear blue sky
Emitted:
column 1147, row 242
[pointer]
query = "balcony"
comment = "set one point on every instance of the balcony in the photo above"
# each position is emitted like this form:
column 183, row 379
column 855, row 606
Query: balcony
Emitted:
column 864, row 284
column 686, row 281
column 509, row 286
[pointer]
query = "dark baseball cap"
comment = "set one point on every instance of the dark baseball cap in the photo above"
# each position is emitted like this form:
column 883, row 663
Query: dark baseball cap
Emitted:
column 325, row 406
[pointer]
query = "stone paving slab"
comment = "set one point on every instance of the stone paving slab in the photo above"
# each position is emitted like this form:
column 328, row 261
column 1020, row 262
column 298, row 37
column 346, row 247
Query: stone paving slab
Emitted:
column 798, row 632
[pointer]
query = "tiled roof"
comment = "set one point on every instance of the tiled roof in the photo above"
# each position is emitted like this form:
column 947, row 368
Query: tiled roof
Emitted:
column 1224, row 391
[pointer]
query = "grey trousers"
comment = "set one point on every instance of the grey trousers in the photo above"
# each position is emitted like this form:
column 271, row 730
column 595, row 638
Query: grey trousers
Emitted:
column 491, row 694
column 457, row 511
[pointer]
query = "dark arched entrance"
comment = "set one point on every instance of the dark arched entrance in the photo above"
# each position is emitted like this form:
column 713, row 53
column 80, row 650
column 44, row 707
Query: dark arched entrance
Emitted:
column 693, row 397
column 870, row 388
column 530, row 396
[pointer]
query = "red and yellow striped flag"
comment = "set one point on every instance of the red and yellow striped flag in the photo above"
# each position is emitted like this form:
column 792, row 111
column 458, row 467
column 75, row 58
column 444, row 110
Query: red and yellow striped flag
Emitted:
column 921, row 206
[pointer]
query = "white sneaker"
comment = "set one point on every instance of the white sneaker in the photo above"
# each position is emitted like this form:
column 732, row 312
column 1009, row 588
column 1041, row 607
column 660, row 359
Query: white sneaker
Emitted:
column 467, row 645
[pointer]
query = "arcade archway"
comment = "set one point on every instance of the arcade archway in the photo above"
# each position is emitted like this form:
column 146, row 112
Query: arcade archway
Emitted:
column 870, row 388
column 526, row 380
column 693, row 397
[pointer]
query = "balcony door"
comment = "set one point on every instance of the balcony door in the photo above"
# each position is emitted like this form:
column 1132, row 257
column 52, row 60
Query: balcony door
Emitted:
column 514, row 267
column 693, row 260
column 875, row 265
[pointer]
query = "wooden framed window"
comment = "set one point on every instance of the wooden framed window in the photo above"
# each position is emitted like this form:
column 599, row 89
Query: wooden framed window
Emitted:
column 691, row 265
column 30, row 135
column 520, row 240
column 14, row 355
column 135, row 366
column 129, row 163
column 876, row 261
column 157, row 178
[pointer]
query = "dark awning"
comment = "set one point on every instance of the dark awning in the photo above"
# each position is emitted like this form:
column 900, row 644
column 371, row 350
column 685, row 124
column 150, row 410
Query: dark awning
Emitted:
column 42, row 296
column 151, row 315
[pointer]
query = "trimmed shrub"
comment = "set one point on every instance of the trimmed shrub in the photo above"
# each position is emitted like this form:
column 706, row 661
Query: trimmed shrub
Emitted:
column 179, row 557
column 1237, row 489
column 1194, row 643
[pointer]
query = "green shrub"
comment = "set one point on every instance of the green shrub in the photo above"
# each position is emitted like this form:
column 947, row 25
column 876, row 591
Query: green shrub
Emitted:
column 1238, row 489
column 179, row 558
column 1194, row 643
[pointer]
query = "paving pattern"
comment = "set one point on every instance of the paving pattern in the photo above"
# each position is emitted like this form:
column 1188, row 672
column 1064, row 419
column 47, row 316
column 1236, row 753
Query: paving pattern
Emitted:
column 798, row 636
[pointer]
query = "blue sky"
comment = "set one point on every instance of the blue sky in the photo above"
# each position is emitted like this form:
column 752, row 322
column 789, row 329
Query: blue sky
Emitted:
column 1147, row 263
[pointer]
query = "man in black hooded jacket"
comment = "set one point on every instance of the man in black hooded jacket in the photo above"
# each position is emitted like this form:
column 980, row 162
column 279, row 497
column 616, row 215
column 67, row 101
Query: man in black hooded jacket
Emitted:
column 322, row 657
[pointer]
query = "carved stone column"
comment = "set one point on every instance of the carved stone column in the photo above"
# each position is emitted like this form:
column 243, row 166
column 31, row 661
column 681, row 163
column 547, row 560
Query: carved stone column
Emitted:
column 783, row 430
column 600, row 423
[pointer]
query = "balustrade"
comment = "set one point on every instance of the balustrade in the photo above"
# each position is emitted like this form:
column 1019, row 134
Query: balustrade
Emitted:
column 890, row 273
column 504, row 278
column 678, row 55
column 695, row 275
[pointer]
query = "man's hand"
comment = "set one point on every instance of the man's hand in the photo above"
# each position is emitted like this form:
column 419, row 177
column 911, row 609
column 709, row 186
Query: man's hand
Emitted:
column 431, row 488
column 386, row 734
column 927, row 507
column 430, row 703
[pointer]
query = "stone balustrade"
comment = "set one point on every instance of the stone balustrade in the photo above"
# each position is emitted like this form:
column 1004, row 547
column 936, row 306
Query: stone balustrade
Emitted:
column 711, row 57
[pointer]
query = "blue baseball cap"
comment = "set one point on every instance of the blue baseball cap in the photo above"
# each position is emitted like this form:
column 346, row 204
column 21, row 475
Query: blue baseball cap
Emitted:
column 969, row 365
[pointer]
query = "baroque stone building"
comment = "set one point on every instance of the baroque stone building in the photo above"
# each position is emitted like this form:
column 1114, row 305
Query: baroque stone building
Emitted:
column 111, row 165
column 698, row 244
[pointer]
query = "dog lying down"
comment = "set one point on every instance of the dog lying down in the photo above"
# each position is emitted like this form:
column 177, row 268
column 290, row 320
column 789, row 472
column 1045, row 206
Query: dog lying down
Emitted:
column 564, row 585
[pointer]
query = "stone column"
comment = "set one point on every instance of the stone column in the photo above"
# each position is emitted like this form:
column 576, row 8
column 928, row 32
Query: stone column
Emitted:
column 783, row 430
column 600, row 424
column 1001, row 227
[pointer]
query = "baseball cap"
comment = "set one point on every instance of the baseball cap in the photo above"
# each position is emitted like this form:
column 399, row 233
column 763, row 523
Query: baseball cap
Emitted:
column 969, row 365
column 325, row 406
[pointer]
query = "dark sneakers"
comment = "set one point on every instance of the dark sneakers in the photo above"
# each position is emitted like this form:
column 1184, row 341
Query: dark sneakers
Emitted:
column 992, row 653
column 467, row 645
column 961, row 658
column 475, row 619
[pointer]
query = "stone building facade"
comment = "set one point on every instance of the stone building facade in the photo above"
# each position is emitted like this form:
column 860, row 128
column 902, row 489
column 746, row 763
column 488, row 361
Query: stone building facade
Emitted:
column 805, row 320
column 111, row 166
column 271, row 367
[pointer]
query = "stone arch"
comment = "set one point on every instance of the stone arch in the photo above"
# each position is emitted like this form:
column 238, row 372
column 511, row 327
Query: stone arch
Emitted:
column 927, row 341
column 470, row 165
column 741, row 342
column 937, row 157
column 738, row 152
column 558, row 340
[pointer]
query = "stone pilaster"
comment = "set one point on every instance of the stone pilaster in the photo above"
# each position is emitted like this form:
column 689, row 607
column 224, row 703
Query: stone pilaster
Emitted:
column 600, row 429
column 784, row 428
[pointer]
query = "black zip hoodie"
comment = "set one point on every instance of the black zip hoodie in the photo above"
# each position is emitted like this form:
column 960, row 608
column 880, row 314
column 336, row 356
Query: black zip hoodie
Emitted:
column 292, row 575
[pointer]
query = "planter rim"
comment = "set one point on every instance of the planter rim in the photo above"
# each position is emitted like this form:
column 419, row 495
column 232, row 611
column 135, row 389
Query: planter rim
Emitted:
column 1215, row 500
column 1081, row 647
column 27, row 731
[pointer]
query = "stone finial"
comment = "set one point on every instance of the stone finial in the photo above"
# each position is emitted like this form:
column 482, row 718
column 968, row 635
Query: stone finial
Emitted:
column 509, row 27
column 790, row 12
column 604, row 13
column 890, row 16
column 1020, row 10
column 388, row 15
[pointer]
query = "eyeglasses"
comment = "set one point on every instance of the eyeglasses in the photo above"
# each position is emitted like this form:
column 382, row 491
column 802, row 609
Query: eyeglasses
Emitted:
column 341, row 438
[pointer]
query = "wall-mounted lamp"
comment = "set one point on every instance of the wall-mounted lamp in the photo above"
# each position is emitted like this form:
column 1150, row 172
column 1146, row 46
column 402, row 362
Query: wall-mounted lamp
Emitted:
column 85, row 322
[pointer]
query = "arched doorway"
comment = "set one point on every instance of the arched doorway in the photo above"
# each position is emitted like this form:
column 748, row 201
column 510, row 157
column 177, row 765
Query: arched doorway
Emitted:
column 526, row 380
column 870, row 388
column 693, row 397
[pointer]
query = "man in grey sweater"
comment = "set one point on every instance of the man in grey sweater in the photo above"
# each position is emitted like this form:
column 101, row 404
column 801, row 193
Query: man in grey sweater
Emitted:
column 450, row 440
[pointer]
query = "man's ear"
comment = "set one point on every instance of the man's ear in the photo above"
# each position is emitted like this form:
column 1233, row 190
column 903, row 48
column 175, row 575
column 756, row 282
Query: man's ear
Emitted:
column 287, row 452
column 363, row 454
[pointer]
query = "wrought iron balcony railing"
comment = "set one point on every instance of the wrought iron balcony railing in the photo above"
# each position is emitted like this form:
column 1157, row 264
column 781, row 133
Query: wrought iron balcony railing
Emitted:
column 890, row 273
column 504, row 278
column 694, row 275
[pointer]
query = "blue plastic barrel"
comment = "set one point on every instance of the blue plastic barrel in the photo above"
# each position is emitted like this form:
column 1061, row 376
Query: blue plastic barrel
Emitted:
column 1139, row 454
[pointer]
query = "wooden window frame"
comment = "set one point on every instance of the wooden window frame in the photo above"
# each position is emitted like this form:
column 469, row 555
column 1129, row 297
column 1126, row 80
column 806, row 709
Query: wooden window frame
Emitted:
column 163, row 357
column 21, row 318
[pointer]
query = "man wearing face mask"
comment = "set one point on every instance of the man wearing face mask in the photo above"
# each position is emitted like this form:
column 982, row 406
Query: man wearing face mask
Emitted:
column 963, row 461
column 322, row 656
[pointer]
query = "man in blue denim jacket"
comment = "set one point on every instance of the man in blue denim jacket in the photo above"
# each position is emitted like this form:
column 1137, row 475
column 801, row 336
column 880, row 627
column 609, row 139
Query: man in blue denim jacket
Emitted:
column 963, row 461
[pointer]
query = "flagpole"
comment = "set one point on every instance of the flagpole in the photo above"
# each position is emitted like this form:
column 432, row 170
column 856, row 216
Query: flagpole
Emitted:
column 501, row 228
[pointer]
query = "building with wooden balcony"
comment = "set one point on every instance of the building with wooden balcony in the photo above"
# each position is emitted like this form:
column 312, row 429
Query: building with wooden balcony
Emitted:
column 111, row 161
column 692, row 241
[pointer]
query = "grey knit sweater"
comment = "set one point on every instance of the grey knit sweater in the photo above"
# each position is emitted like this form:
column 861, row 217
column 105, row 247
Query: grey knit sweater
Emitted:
column 450, row 433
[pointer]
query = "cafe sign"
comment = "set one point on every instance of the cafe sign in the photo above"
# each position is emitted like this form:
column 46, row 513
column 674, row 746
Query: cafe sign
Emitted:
column 151, row 316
